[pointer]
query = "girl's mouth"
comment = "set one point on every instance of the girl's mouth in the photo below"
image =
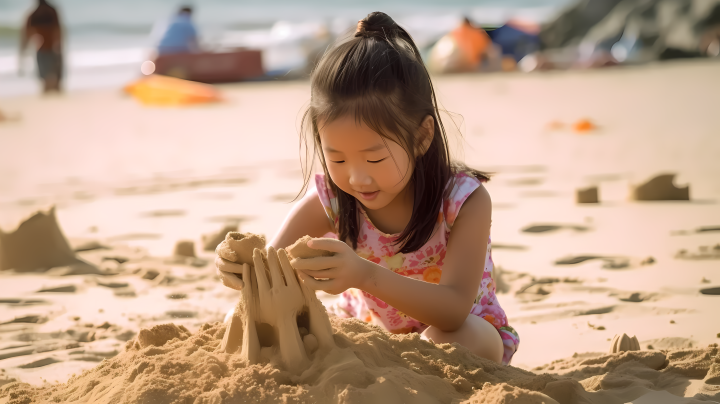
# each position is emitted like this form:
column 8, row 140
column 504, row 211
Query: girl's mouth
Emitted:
column 369, row 196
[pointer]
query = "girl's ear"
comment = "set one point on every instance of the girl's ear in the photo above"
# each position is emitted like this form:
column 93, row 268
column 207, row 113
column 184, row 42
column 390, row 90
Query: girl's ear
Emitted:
column 426, row 131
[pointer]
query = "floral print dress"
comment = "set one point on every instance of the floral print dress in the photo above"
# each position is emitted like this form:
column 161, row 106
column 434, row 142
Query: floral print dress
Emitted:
column 426, row 264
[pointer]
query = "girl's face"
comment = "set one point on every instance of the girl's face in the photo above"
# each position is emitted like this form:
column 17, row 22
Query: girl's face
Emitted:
column 362, row 163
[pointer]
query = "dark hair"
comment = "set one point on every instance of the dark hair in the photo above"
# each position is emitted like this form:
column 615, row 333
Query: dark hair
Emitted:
column 379, row 77
column 186, row 9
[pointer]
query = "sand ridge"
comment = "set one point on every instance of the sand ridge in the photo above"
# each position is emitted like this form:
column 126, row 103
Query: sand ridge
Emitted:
column 369, row 365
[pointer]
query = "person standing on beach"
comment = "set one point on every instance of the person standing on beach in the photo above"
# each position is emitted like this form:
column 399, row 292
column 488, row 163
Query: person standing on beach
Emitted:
column 411, row 227
column 180, row 35
column 43, row 28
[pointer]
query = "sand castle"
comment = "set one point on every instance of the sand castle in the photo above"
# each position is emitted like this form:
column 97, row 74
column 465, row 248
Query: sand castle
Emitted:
column 18, row 248
column 277, row 319
column 661, row 188
column 623, row 343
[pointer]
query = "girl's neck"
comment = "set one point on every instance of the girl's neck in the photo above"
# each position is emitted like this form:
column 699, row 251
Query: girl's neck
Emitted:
column 395, row 216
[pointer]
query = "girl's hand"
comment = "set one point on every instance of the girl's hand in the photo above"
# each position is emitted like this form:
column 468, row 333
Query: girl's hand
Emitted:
column 335, row 274
column 230, row 273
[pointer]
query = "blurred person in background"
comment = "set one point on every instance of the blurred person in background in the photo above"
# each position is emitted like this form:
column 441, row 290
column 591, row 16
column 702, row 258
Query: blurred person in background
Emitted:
column 467, row 48
column 180, row 36
column 43, row 28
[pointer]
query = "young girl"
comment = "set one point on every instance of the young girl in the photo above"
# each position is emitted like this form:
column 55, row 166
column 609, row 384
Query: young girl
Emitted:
column 415, row 229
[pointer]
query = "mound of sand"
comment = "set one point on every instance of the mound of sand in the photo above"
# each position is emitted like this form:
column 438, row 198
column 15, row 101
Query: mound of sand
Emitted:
column 166, row 364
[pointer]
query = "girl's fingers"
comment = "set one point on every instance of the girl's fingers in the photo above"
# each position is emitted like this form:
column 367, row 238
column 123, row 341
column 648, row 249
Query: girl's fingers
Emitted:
column 262, row 280
column 246, row 276
column 231, row 280
column 317, row 263
column 331, row 273
column 315, row 284
column 227, row 266
column 274, row 265
column 329, row 244
column 287, row 268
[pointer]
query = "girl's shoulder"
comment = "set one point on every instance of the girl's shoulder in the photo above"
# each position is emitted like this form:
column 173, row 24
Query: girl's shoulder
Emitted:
column 461, row 185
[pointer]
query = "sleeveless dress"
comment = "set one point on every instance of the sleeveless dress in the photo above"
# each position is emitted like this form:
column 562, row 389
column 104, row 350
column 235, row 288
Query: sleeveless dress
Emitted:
column 426, row 264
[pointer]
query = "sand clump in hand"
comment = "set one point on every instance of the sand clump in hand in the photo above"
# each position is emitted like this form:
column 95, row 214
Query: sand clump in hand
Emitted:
column 300, row 249
column 369, row 366
column 239, row 247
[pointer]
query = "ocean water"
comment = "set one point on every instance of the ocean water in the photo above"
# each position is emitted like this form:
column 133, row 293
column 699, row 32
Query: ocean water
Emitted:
column 107, row 40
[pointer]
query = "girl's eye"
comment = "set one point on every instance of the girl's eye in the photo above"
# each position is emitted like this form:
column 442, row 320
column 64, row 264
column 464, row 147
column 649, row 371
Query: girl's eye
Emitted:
column 338, row 162
column 376, row 161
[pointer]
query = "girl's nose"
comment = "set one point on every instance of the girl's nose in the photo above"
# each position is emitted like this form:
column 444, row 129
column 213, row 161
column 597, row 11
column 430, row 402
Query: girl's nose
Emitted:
column 359, row 178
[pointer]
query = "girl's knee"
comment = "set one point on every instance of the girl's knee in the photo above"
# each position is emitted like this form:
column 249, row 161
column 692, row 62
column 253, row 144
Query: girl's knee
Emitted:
column 476, row 334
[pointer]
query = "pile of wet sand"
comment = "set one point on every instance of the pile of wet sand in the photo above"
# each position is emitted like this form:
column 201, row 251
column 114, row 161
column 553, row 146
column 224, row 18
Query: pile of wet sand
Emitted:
column 168, row 364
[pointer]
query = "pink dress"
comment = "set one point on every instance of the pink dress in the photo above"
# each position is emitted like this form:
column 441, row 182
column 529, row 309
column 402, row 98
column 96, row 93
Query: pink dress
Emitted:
column 425, row 264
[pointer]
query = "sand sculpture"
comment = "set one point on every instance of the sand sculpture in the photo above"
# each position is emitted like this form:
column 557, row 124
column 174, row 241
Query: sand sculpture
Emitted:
column 661, row 188
column 211, row 241
column 184, row 248
column 622, row 343
column 588, row 195
column 277, row 319
column 19, row 249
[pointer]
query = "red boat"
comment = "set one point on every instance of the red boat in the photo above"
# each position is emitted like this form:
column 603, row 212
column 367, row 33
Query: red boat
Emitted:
column 210, row 67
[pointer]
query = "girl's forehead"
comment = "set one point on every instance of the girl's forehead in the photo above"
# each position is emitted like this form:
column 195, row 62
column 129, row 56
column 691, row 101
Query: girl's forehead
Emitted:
column 346, row 134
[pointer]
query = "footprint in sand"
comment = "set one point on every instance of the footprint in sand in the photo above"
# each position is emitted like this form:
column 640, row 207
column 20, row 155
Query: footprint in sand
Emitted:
column 711, row 291
column 609, row 262
column 40, row 363
column 545, row 228
column 703, row 253
column 59, row 289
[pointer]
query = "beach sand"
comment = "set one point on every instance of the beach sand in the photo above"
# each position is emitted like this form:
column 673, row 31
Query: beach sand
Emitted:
column 136, row 180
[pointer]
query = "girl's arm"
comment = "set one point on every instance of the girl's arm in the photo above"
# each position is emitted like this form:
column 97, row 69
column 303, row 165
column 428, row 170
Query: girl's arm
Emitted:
column 446, row 305
column 307, row 217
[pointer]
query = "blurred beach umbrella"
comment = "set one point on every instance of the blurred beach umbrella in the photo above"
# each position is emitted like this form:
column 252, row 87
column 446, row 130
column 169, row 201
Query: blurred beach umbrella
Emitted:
column 170, row 91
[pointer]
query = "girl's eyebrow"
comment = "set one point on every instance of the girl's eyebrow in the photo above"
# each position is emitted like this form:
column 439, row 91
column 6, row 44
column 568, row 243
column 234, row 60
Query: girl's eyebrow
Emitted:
column 369, row 149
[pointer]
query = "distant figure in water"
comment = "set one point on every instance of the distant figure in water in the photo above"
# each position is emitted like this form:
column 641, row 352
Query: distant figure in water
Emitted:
column 43, row 28
column 180, row 35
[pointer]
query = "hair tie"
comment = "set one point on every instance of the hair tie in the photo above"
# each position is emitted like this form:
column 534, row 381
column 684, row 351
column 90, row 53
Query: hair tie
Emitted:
column 366, row 31
column 361, row 29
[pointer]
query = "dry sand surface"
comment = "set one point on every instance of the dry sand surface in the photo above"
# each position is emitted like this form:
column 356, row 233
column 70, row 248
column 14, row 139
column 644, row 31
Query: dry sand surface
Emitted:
column 129, row 182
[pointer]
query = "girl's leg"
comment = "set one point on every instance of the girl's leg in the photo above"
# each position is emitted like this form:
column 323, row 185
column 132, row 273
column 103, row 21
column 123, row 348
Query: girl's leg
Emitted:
column 476, row 334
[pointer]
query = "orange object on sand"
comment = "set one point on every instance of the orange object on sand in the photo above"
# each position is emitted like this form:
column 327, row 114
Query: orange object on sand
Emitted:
column 473, row 42
column 584, row 125
column 170, row 91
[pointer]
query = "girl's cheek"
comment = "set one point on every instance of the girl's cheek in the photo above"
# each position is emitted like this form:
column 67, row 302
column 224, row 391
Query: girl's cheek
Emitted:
column 339, row 177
